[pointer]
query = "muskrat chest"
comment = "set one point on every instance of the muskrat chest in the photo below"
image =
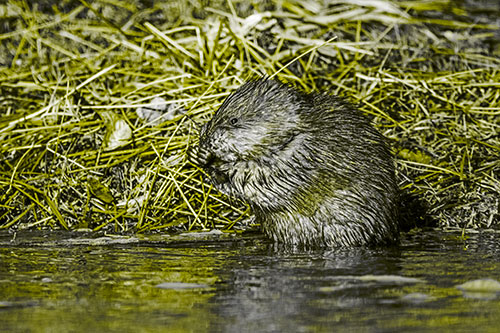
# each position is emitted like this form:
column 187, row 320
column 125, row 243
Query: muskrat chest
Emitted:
column 311, row 166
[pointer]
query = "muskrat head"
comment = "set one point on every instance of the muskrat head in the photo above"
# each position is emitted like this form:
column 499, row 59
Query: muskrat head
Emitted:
column 253, row 124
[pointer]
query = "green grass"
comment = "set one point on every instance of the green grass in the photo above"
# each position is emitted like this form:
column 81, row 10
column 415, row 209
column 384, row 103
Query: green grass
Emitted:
column 81, row 82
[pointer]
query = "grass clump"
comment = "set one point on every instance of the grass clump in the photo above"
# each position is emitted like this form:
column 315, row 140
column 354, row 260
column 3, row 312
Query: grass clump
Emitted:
column 102, row 101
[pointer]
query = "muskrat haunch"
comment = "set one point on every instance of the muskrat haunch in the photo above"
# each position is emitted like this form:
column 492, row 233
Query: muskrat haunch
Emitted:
column 311, row 166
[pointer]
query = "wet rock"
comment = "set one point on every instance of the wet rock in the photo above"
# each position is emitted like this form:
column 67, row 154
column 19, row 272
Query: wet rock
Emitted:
column 486, row 289
column 181, row 285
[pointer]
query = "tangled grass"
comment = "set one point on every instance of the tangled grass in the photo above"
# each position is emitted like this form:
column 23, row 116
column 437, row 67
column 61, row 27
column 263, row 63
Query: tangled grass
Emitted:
column 101, row 101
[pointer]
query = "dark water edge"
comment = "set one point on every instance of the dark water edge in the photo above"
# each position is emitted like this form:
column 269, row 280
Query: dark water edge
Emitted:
column 219, row 282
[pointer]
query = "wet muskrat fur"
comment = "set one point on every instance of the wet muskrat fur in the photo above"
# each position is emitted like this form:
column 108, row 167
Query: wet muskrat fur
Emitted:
column 311, row 166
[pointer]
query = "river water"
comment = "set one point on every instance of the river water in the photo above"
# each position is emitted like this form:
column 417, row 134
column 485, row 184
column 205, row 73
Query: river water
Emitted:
column 231, row 283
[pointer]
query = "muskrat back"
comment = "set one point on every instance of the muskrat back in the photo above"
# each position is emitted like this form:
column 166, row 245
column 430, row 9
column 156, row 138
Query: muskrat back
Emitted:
column 311, row 166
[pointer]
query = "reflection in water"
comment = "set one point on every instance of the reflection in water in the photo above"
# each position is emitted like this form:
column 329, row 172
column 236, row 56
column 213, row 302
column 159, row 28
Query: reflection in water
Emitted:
column 284, row 292
column 226, row 283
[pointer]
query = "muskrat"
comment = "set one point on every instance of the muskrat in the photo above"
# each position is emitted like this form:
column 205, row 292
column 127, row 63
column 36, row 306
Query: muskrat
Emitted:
column 312, row 168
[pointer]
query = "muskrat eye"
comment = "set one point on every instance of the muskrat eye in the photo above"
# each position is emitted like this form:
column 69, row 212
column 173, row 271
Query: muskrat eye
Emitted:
column 233, row 121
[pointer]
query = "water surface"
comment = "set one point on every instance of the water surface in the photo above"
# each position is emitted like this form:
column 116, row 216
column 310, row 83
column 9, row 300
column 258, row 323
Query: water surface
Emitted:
column 218, row 282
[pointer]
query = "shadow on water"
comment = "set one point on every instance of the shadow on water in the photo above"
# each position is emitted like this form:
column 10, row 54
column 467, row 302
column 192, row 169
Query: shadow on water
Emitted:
column 216, row 282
